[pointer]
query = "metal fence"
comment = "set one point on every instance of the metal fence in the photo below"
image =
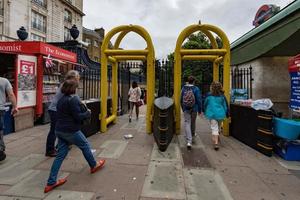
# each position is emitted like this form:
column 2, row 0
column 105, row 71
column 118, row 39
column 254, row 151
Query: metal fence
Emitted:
column 241, row 78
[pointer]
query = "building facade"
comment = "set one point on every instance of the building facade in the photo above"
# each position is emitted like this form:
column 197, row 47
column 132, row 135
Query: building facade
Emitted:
column 94, row 40
column 44, row 20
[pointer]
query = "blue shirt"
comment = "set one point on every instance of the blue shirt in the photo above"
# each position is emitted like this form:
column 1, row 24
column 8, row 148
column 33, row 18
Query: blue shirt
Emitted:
column 215, row 107
column 56, row 98
column 69, row 114
column 197, row 105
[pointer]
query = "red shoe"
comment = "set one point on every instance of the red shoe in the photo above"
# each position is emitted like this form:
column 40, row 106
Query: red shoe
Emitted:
column 99, row 165
column 60, row 182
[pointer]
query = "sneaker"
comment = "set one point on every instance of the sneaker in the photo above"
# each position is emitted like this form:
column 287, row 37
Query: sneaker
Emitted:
column 51, row 154
column 98, row 166
column 189, row 146
column 2, row 155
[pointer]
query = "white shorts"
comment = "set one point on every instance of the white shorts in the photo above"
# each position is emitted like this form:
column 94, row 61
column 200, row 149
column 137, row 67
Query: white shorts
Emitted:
column 215, row 126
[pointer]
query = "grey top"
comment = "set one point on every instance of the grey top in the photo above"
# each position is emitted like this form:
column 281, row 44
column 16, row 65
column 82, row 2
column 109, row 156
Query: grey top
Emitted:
column 5, row 86
column 56, row 98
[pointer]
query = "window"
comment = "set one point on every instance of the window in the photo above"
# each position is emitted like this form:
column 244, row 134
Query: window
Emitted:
column 38, row 21
column 42, row 3
column 67, row 34
column 35, row 37
column 95, row 43
column 1, row 8
column 68, row 16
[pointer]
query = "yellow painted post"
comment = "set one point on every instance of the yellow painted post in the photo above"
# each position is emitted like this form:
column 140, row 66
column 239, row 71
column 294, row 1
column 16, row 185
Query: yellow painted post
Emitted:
column 114, row 90
column 104, row 91
column 150, row 91
column 226, row 87
column 177, row 91
column 116, row 54
column 215, row 71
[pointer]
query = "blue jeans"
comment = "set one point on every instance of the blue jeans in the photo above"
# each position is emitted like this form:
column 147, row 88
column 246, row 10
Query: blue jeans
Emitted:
column 2, row 145
column 64, row 140
column 50, row 144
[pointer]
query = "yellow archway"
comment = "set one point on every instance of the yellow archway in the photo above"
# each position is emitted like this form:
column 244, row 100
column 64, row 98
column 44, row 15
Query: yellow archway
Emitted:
column 215, row 55
column 114, row 55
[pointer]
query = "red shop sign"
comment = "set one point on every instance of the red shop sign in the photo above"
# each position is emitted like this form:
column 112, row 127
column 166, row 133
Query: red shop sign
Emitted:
column 27, row 67
column 34, row 47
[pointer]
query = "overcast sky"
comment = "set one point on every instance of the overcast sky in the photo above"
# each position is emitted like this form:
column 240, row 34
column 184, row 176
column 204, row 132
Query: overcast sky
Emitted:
column 165, row 19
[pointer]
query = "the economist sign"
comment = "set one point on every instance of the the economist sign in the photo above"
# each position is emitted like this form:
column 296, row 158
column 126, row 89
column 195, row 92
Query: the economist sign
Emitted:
column 33, row 47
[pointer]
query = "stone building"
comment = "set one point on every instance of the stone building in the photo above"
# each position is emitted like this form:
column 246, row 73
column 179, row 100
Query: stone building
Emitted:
column 44, row 20
column 94, row 40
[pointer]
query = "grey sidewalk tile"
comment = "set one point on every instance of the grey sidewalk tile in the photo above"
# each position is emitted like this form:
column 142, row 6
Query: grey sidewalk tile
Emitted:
column 113, row 182
column 18, row 170
column 205, row 185
column 292, row 165
column 132, row 154
column 244, row 183
column 33, row 185
column 69, row 195
column 170, row 155
column 112, row 149
column 195, row 158
column 16, row 198
column 164, row 180
column 284, row 186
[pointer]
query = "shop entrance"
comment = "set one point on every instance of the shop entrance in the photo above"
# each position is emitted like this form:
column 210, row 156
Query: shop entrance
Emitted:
column 215, row 55
column 115, row 55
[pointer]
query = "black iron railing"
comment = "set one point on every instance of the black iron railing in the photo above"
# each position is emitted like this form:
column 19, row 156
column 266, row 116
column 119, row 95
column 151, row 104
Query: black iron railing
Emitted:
column 241, row 78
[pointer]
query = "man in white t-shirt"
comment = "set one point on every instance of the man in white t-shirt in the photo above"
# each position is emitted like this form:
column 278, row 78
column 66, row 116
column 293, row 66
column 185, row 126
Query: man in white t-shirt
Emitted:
column 134, row 94
column 5, row 90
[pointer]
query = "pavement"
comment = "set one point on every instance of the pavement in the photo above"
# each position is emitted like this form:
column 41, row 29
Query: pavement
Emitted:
column 137, row 170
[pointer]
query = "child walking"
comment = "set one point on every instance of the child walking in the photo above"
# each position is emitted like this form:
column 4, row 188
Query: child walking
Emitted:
column 216, row 110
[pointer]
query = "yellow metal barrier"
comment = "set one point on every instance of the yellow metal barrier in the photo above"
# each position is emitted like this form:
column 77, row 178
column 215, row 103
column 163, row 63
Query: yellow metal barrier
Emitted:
column 202, row 54
column 116, row 54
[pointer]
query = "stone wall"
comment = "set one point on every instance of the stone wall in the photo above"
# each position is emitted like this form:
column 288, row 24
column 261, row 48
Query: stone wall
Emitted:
column 271, row 80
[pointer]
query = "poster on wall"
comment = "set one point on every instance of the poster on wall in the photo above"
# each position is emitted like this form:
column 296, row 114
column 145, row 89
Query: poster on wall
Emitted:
column 295, row 90
column 26, row 96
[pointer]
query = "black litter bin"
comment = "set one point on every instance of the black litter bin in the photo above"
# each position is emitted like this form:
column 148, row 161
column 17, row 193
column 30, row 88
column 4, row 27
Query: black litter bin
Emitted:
column 163, row 122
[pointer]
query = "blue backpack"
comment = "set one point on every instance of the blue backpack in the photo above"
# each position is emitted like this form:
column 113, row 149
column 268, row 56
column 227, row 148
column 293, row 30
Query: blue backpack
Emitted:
column 188, row 97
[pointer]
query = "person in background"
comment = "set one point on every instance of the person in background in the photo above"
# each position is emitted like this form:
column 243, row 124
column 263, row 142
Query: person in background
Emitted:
column 5, row 90
column 216, row 110
column 190, row 104
column 50, row 144
column 134, row 94
column 69, row 117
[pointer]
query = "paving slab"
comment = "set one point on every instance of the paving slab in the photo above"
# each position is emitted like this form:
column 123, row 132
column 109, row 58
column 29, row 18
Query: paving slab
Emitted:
column 132, row 154
column 69, row 195
column 195, row 158
column 284, row 186
column 164, row 180
column 224, row 156
column 205, row 185
column 171, row 154
column 293, row 165
column 244, row 183
column 113, row 182
column 112, row 149
column 18, row 170
column 15, row 198
column 33, row 185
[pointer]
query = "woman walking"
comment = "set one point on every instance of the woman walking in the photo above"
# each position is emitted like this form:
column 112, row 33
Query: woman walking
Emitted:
column 216, row 110
column 50, row 144
column 134, row 94
column 69, row 117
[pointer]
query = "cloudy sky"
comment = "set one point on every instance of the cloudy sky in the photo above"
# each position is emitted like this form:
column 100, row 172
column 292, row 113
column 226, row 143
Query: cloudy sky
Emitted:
column 165, row 19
